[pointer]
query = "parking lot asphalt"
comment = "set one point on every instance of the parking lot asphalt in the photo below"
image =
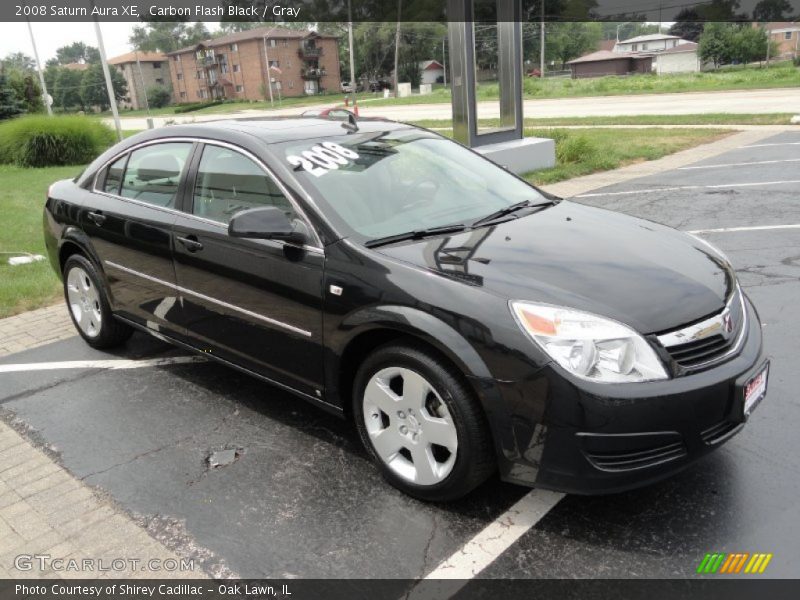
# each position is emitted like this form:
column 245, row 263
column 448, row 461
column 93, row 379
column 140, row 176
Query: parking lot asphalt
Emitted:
column 301, row 499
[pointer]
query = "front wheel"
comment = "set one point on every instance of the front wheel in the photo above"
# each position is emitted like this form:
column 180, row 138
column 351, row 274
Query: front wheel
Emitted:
column 88, row 305
column 421, row 424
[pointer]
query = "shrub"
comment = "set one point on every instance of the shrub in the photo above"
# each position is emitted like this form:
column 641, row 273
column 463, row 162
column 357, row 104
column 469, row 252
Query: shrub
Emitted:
column 158, row 96
column 39, row 141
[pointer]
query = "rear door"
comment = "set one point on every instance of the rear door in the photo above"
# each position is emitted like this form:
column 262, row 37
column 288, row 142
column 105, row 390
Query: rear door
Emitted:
column 129, row 218
column 256, row 303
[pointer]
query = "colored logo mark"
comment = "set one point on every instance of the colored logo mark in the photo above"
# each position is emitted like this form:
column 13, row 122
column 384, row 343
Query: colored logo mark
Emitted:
column 734, row 563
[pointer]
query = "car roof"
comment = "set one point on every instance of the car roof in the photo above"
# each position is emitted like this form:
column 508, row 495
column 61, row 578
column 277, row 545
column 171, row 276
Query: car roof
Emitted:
column 276, row 130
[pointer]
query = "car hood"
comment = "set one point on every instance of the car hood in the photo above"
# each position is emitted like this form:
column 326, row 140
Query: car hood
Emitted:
column 651, row 277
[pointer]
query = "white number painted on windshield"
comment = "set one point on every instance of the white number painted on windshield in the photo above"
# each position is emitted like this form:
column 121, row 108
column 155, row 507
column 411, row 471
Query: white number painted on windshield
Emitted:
column 322, row 158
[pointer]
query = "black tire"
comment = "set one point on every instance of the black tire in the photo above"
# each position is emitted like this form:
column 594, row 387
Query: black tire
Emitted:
column 475, row 460
column 109, row 332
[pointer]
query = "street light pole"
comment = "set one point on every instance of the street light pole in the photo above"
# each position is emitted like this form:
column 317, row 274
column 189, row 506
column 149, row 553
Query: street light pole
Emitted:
column 141, row 78
column 45, row 95
column 541, row 41
column 112, row 99
column 353, row 84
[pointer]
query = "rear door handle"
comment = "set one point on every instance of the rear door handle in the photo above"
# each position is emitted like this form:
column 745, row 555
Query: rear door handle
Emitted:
column 97, row 218
column 190, row 243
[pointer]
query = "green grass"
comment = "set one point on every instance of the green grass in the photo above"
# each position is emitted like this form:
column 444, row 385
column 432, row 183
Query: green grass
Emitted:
column 585, row 151
column 702, row 119
column 22, row 196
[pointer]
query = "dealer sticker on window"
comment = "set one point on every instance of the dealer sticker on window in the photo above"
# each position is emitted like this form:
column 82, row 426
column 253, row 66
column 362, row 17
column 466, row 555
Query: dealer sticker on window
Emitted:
column 322, row 158
column 755, row 390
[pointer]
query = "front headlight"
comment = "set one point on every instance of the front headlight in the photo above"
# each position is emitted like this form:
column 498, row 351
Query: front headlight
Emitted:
column 591, row 347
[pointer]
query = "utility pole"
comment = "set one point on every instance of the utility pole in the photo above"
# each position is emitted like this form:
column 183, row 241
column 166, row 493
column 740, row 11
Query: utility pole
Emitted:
column 269, row 72
column 109, row 86
column 397, row 46
column 444, row 62
column 141, row 78
column 45, row 95
column 353, row 81
column 541, row 41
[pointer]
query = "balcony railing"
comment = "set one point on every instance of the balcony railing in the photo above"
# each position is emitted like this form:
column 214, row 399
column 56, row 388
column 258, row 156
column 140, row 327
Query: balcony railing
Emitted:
column 312, row 73
column 309, row 51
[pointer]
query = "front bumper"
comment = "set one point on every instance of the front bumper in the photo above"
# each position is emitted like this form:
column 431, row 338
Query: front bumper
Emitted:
column 604, row 438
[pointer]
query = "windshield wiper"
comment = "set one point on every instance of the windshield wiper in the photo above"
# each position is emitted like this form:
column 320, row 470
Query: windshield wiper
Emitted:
column 414, row 235
column 508, row 210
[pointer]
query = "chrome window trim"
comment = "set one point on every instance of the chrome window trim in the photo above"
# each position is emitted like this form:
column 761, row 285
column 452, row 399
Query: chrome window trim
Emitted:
column 708, row 327
column 184, row 290
column 317, row 247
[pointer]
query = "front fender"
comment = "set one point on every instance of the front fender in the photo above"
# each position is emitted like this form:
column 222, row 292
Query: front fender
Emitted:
column 444, row 338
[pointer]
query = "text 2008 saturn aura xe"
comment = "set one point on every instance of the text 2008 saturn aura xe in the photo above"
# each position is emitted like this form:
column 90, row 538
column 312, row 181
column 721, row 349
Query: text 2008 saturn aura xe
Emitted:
column 464, row 320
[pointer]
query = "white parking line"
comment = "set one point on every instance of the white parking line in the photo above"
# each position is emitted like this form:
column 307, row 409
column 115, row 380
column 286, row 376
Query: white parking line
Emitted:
column 479, row 552
column 754, row 228
column 101, row 364
column 773, row 144
column 686, row 187
column 741, row 164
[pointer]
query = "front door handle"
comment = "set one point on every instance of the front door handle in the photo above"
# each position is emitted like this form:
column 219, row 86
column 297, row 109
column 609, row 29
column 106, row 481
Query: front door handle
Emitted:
column 190, row 243
column 97, row 218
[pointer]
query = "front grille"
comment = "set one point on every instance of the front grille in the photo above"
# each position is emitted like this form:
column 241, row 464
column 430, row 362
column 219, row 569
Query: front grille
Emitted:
column 719, row 432
column 708, row 341
column 698, row 352
column 640, row 459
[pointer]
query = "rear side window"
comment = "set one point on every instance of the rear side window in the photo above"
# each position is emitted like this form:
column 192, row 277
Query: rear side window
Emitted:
column 229, row 182
column 112, row 177
column 154, row 172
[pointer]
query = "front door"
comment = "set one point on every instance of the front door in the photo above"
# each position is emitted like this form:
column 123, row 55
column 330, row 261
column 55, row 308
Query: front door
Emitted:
column 256, row 303
column 128, row 218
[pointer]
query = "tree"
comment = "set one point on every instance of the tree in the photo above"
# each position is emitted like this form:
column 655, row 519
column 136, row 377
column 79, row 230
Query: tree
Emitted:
column 93, row 86
column 77, row 52
column 166, row 36
column 158, row 96
column 772, row 10
column 10, row 106
column 19, row 61
column 716, row 43
column 687, row 25
column 27, row 89
column 67, row 89
column 568, row 40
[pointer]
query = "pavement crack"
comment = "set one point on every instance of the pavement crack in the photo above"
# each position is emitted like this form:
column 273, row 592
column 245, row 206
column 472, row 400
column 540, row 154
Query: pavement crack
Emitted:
column 139, row 456
column 426, row 552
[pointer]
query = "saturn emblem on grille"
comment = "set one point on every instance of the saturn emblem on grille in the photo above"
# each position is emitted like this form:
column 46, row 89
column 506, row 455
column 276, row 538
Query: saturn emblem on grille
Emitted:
column 727, row 322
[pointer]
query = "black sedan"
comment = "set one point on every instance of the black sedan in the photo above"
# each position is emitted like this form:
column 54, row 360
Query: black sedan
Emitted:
column 464, row 320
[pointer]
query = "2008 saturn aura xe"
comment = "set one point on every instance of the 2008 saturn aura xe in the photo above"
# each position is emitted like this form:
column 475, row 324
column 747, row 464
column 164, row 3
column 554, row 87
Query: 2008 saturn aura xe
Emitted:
column 464, row 320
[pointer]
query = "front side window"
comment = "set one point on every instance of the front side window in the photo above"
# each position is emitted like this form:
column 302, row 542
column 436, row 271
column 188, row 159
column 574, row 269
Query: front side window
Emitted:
column 154, row 172
column 228, row 182
column 112, row 177
column 377, row 184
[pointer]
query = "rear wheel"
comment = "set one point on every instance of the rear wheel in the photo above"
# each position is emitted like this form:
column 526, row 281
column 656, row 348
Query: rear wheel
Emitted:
column 421, row 424
column 88, row 305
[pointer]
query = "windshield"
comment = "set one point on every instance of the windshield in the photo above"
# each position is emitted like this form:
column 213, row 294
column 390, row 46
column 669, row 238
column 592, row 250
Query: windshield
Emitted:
column 378, row 184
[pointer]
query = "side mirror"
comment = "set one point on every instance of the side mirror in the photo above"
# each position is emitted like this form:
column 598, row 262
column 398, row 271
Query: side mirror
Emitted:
column 267, row 223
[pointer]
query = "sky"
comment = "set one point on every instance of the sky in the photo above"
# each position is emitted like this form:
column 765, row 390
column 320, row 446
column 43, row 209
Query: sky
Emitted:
column 49, row 36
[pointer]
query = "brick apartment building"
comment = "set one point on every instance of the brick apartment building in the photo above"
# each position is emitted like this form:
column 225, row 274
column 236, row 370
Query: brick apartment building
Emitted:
column 150, row 71
column 234, row 66
column 786, row 36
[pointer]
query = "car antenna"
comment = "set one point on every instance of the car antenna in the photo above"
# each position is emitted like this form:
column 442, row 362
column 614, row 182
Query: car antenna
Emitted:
column 351, row 124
